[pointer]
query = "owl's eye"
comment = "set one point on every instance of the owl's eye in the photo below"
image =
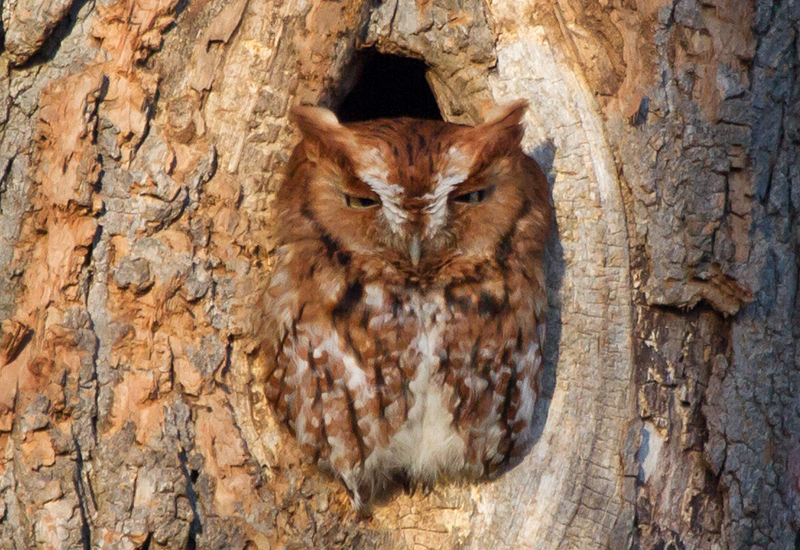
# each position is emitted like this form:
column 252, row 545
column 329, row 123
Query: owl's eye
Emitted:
column 473, row 197
column 360, row 202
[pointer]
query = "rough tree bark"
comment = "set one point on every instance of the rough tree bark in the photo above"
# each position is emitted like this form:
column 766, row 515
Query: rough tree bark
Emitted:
column 142, row 141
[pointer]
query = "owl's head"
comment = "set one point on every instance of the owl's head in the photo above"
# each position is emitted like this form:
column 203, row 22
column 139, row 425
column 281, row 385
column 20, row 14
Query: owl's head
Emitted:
column 418, row 194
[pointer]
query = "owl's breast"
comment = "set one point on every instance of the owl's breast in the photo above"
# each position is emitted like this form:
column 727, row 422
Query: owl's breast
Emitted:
column 435, row 382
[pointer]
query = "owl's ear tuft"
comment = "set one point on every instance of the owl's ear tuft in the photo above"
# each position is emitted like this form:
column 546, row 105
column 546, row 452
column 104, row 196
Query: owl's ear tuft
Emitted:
column 510, row 112
column 314, row 122
column 498, row 137
column 321, row 127
column 504, row 122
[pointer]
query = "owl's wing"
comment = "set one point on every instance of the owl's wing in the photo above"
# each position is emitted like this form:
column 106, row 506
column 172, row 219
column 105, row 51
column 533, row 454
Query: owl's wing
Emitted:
column 335, row 374
column 493, row 361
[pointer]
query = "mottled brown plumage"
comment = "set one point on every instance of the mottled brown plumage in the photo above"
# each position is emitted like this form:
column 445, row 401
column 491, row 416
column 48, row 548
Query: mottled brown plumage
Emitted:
column 403, row 325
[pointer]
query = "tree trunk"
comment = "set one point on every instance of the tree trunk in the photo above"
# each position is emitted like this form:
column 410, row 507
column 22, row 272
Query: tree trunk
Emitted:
column 142, row 141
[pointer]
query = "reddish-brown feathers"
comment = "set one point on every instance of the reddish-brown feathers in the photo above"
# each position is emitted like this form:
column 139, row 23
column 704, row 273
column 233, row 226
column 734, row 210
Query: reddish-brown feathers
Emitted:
column 403, row 324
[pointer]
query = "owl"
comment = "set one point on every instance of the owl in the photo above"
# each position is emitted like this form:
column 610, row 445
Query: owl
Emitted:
column 402, row 327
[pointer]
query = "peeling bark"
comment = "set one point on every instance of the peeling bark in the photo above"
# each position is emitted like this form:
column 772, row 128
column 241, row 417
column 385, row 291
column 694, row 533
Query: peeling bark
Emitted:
column 140, row 146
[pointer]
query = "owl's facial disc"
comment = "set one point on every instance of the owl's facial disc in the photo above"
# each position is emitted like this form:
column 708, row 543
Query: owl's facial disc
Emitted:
column 414, row 192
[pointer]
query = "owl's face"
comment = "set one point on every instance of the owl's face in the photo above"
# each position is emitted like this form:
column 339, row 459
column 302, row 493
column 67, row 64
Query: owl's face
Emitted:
column 417, row 194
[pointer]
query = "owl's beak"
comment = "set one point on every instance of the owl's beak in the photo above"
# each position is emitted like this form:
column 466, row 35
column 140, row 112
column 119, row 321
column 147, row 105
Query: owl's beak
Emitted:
column 415, row 250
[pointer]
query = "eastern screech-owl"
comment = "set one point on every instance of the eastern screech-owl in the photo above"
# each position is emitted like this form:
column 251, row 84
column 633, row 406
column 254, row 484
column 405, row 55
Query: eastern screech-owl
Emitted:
column 403, row 324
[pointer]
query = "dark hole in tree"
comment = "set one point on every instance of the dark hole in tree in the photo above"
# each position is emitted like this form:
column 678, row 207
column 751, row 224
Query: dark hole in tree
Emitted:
column 389, row 86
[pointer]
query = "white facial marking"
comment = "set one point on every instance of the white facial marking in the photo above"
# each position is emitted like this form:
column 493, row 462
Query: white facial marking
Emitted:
column 374, row 172
column 455, row 171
